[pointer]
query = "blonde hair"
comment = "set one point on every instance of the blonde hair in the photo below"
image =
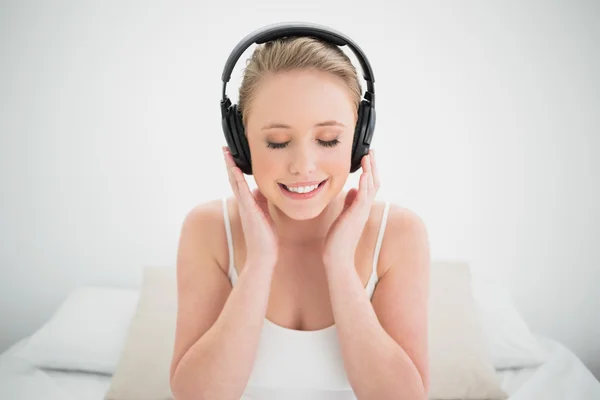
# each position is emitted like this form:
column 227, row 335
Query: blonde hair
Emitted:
column 292, row 53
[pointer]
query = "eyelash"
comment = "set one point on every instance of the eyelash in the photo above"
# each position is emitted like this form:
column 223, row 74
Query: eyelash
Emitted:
column 323, row 143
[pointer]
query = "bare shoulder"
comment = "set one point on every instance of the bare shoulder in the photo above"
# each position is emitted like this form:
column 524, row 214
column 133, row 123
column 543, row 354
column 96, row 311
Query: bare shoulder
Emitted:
column 205, row 222
column 405, row 236
column 402, row 217
column 204, row 217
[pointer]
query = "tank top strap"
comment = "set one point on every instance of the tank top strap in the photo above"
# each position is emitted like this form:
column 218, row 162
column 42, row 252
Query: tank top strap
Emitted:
column 232, row 272
column 374, row 279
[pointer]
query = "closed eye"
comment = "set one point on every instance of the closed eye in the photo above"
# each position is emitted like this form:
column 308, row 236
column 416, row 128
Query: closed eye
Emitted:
column 330, row 143
column 276, row 145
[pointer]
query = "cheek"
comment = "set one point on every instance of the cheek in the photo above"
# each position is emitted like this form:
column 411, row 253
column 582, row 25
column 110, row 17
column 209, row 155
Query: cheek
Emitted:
column 265, row 167
column 268, row 161
column 336, row 162
column 339, row 160
column 337, row 166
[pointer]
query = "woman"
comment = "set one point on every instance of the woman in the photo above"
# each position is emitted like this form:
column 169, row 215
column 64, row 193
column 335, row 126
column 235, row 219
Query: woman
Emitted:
column 300, row 289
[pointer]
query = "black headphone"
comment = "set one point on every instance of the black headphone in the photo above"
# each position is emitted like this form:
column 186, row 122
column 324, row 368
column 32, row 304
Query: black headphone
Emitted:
column 231, row 118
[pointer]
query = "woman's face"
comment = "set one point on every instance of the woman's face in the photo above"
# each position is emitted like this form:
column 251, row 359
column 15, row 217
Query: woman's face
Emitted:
column 300, row 130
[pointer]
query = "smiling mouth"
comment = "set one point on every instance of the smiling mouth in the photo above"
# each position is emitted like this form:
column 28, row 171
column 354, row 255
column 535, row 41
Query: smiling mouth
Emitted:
column 304, row 189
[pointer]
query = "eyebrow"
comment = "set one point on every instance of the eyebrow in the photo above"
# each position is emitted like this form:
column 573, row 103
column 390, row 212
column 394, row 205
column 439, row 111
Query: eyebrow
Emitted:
column 320, row 124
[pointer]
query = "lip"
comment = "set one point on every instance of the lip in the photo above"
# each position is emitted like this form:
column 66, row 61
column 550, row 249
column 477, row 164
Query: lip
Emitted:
column 298, row 184
column 304, row 196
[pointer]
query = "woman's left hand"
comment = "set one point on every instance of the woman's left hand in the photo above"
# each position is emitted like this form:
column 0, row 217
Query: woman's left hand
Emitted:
column 345, row 232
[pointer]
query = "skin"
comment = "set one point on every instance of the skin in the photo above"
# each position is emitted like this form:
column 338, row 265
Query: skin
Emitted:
column 325, row 249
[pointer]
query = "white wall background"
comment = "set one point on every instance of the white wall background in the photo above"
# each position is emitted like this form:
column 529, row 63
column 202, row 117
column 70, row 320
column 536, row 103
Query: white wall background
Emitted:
column 488, row 127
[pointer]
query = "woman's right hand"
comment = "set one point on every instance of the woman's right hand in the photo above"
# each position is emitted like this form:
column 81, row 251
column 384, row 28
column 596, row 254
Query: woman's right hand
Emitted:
column 259, row 233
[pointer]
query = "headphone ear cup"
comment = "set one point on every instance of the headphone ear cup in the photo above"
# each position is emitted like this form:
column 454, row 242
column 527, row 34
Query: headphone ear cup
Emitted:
column 243, row 159
column 229, row 128
column 357, row 129
column 362, row 134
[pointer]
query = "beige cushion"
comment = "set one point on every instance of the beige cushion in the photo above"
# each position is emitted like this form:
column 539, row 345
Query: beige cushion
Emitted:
column 142, row 372
column 460, row 367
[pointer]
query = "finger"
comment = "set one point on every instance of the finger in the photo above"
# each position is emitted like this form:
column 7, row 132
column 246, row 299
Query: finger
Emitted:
column 366, row 199
column 372, row 188
column 230, row 165
column 362, row 188
column 245, row 196
column 375, row 172
column 369, row 180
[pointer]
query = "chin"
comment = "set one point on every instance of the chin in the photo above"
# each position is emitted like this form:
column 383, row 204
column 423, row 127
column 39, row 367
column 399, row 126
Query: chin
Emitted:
column 305, row 213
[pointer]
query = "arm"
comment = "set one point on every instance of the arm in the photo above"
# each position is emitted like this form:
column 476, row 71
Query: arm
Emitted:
column 384, row 343
column 218, row 328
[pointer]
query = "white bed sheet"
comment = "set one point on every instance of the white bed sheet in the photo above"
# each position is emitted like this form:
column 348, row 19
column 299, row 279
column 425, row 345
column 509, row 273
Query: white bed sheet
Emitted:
column 562, row 377
column 81, row 385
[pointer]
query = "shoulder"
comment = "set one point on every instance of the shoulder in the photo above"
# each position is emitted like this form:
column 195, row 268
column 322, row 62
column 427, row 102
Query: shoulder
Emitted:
column 204, row 223
column 204, row 216
column 402, row 220
column 405, row 237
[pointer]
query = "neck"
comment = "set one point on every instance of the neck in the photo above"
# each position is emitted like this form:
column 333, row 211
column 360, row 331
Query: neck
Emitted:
column 305, row 232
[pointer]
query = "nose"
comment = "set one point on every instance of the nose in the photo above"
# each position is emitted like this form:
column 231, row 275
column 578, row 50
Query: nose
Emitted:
column 303, row 161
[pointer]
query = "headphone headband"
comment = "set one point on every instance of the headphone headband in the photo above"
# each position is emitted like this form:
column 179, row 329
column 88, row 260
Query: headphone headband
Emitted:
column 286, row 29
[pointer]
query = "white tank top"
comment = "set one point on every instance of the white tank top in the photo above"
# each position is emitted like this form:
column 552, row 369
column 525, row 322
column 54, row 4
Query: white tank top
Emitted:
column 292, row 364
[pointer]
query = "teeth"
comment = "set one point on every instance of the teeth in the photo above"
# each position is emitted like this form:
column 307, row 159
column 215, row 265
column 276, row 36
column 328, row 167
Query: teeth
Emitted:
column 302, row 189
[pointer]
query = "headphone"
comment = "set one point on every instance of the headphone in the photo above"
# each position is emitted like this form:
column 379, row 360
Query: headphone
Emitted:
column 231, row 118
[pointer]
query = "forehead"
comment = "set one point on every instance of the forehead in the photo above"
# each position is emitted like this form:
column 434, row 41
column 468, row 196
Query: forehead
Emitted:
column 301, row 98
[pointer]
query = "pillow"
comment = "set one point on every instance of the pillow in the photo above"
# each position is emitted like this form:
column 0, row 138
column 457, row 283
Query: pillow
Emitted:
column 509, row 340
column 459, row 363
column 86, row 333
column 143, row 369
column 460, row 366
